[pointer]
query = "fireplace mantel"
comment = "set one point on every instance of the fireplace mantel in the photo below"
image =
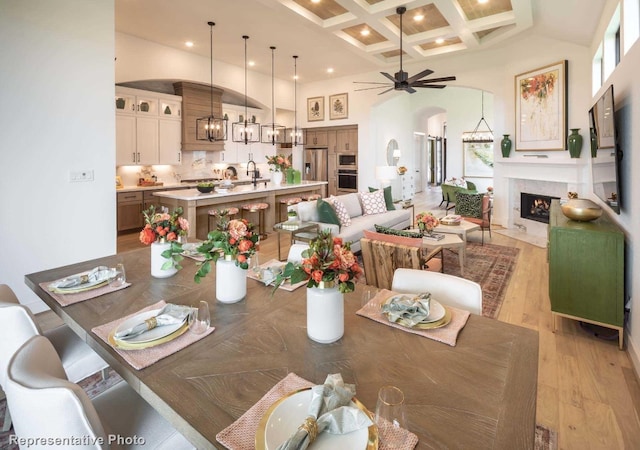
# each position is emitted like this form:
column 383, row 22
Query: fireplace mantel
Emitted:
column 544, row 169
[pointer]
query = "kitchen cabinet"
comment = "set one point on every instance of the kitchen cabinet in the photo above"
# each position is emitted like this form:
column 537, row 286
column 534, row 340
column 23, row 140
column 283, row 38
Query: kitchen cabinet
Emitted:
column 347, row 140
column 586, row 270
column 316, row 138
column 130, row 210
column 332, row 173
column 332, row 141
column 146, row 124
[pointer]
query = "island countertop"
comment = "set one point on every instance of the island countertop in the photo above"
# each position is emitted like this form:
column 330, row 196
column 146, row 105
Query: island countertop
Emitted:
column 196, row 205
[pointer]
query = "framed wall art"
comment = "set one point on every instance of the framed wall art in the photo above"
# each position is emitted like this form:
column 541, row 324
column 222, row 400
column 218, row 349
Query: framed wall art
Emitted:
column 478, row 158
column 541, row 108
column 315, row 109
column 338, row 106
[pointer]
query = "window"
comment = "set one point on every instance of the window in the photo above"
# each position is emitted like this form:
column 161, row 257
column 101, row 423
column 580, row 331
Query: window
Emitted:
column 631, row 23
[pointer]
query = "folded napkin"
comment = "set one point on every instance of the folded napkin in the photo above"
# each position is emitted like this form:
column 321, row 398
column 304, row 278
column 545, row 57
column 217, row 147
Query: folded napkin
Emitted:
column 139, row 359
column 65, row 298
column 412, row 309
column 328, row 411
column 100, row 273
column 169, row 315
column 241, row 434
column 447, row 334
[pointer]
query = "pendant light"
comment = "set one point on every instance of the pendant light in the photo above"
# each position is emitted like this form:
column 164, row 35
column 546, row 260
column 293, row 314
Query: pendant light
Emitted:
column 295, row 135
column 273, row 133
column 246, row 130
column 211, row 128
column 479, row 136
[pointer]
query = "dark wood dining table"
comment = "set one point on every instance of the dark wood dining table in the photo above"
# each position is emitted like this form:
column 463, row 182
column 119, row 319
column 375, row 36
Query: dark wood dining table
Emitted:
column 479, row 394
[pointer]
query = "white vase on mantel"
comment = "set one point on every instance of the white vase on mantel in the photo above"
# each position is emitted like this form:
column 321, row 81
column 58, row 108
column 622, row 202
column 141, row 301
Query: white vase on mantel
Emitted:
column 231, row 280
column 157, row 260
column 276, row 178
column 325, row 313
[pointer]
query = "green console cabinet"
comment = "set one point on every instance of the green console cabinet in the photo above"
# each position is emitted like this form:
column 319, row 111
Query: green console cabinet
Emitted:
column 586, row 270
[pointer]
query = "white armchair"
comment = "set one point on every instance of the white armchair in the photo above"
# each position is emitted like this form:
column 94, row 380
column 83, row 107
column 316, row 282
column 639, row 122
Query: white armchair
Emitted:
column 447, row 289
column 44, row 403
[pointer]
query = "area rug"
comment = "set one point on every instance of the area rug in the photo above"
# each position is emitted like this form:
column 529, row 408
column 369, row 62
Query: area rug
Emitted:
column 489, row 265
column 545, row 439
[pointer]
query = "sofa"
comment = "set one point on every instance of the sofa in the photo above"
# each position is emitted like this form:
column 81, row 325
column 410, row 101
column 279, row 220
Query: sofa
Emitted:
column 359, row 221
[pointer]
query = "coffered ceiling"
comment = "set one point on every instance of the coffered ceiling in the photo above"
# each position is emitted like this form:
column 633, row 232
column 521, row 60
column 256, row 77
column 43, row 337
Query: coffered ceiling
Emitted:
column 329, row 33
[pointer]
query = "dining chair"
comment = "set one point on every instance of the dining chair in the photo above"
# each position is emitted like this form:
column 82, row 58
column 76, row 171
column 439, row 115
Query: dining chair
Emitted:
column 295, row 252
column 429, row 258
column 17, row 325
column 447, row 289
column 381, row 259
column 45, row 403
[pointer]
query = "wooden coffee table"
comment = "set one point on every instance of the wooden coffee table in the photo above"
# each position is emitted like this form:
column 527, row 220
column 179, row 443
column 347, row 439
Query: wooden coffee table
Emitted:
column 450, row 241
column 461, row 229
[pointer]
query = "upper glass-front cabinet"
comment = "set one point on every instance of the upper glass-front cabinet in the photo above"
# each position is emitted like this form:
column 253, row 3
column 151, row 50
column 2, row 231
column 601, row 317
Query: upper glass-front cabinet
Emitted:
column 170, row 108
column 147, row 105
column 125, row 103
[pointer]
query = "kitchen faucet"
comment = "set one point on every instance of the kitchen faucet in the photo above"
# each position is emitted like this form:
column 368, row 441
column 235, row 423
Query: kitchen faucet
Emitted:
column 254, row 176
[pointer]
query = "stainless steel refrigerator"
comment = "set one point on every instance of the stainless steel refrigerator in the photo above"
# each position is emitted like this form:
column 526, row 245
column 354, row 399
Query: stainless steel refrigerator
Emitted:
column 315, row 162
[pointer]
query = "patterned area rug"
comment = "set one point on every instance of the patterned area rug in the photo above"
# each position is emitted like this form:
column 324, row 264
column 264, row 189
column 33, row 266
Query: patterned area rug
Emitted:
column 545, row 439
column 489, row 265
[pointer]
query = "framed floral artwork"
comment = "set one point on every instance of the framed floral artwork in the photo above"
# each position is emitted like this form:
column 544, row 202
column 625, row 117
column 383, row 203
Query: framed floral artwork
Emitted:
column 315, row 109
column 541, row 108
column 338, row 106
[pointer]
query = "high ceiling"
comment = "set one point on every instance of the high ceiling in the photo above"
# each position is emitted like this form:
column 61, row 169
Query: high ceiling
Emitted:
column 328, row 33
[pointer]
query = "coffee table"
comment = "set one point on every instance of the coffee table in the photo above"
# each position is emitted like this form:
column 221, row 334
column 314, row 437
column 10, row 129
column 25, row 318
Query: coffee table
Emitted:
column 450, row 241
column 299, row 231
column 461, row 229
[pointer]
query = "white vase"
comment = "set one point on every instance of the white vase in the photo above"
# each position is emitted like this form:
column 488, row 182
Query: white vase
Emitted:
column 157, row 260
column 276, row 178
column 325, row 314
column 231, row 281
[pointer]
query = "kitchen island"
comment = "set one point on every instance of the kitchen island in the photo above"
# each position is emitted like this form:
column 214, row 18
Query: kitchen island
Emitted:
column 196, row 205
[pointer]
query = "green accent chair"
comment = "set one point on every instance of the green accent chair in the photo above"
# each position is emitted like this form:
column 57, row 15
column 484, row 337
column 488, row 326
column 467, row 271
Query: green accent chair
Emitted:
column 449, row 193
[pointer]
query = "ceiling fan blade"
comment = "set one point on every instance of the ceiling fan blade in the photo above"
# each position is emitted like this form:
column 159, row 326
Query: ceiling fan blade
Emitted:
column 432, row 86
column 388, row 76
column 435, row 80
column 410, row 90
column 417, row 76
column 369, row 88
column 371, row 82
column 384, row 92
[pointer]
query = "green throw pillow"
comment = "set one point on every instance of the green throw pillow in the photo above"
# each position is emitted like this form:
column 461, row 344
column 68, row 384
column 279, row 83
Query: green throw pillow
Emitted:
column 388, row 199
column 393, row 231
column 326, row 213
column 469, row 205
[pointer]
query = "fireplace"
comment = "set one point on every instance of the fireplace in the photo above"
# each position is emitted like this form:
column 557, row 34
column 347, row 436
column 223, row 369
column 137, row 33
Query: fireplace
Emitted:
column 535, row 206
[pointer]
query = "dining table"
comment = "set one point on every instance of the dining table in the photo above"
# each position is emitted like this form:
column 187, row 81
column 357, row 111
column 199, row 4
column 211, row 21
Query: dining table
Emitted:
column 479, row 393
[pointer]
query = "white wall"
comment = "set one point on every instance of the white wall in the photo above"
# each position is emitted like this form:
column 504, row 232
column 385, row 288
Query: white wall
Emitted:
column 56, row 115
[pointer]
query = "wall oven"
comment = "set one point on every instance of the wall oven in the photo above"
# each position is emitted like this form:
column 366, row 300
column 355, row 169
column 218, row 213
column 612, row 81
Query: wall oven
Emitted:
column 348, row 160
column 348, row 180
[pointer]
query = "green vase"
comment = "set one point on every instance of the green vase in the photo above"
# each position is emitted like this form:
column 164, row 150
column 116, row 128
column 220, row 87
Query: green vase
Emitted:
column 574, row 142
column 594, row 143
column 505, row 145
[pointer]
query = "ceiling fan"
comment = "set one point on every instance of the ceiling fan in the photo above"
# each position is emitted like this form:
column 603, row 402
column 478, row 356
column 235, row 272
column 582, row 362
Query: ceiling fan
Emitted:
column 401, row 79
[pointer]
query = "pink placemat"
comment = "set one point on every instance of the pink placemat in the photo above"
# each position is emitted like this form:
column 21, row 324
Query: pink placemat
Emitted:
column 241, row 434
column 447, row 334
column 139, row 359
column 70, row 299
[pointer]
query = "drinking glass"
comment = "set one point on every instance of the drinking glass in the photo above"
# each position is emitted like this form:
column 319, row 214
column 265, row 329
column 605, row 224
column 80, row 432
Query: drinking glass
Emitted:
column 117, row 276
column 368, row 293
column 199, row 318
column 254, row 264
column 391, row 417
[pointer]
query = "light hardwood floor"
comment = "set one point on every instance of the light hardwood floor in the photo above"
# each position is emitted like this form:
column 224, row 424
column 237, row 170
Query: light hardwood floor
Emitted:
column 587, row 389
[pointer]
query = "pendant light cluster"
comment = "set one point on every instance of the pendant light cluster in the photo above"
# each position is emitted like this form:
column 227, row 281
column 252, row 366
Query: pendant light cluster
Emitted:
column 246, row 130
column 295, row 135
column 273, row 133
column 211, row 128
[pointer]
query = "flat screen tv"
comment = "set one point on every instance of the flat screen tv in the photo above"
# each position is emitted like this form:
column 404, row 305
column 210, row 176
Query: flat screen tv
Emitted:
column 606, row 153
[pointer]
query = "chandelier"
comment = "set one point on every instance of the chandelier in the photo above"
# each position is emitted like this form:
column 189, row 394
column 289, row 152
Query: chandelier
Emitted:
column 295, row 135
column 211, row 128
column 478, row 135
column 245, row 130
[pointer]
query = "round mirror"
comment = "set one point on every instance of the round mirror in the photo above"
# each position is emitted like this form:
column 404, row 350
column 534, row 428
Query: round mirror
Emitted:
column 393, row 152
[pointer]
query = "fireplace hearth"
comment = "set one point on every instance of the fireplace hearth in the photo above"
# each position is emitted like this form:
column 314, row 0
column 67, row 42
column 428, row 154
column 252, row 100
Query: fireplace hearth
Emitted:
column 535, row 206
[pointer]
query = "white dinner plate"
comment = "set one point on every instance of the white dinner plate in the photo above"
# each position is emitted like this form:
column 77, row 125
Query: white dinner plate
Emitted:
column 285, row 416
column 436, row 310
column 147, row 336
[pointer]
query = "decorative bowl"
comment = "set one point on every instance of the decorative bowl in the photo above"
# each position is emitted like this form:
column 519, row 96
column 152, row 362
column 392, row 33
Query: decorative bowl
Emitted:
column 581, row 210
column 205, row 189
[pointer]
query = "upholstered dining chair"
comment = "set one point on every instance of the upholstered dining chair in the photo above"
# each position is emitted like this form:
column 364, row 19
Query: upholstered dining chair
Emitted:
column 447, row 289
column 381, row 259
column 45, row 403
column 17, row 325
column 475, row 208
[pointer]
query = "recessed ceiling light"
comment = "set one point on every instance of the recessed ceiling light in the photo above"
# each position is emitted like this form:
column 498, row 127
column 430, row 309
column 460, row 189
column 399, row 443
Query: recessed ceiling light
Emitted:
column 439, row 41
column 252, row 63
column 315, row 1
column 418, row 17
column 365, row 32
column 330, row 70
column 295, row 77
column 483, row 1
column 189, row 44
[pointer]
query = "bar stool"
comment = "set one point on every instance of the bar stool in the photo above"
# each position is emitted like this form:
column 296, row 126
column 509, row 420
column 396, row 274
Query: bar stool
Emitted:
column 310, row 197
column 259, row 208
column 286, row 202
column 215, row 213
